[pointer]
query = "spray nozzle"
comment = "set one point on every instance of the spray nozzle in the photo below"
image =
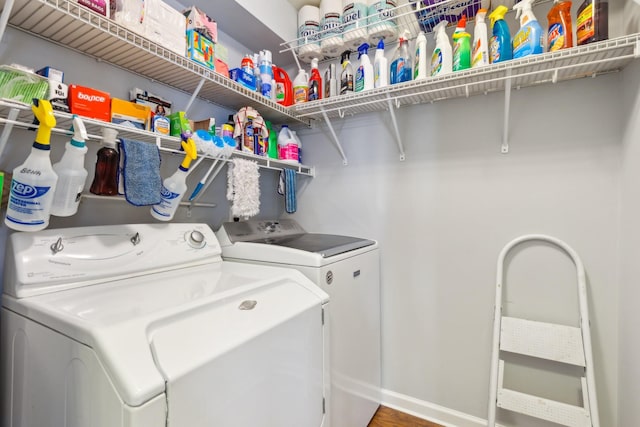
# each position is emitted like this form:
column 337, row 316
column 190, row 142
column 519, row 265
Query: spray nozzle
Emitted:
column 345, row 56
column 405, row 36
column 498, row 13
column 440, row 27
column 79, row 132
column 190, row 149
column 363, row 49
column 43, row 113
column 314, row 63
column 523, row 6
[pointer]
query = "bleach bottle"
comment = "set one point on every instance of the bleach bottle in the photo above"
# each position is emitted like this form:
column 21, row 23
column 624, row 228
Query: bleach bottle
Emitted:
column 528, row 40
column 364, row 74
column 420, row 59
column 441, row 60
column 480, row 49
column 71, row 173
column 287, row 146
column 34, row 182
column 500, row 43
column 174, row 187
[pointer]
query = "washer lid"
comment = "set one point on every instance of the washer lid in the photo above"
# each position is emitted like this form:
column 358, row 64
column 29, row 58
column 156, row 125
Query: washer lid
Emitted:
column 326, row 245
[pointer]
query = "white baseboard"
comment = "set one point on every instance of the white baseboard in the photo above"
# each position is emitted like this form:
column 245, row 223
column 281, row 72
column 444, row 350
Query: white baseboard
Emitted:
column 429, row 411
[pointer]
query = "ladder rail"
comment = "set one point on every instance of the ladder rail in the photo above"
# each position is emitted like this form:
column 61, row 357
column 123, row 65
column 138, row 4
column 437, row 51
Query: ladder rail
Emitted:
column 592, row 402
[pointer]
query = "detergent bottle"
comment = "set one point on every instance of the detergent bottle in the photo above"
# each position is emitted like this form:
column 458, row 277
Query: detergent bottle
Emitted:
column 592, row 21
column 420, row 58
column 346, row 77
column 441, row 60
column 559, row 31
column 105, row 179
column 71, row 173
column 364, row 75
column 461, row 46
column 528, row 40
column 287, row 146
column 34, row 182
column 380, row 67
column 480, row 49
column 300, row 87
column 284, row 89
column 315, row 82
column 500, row 43
column 401, row 65
column 174, row 187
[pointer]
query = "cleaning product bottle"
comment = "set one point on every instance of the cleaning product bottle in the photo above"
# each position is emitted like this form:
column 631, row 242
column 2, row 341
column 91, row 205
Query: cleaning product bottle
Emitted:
column 330, row 81
column 420, row 59
column 528, row 40
column 34, row 182
column 300, row 87
column 105, row 179
column 500, row 43
column 287, row 146
column 401, row 64
column 299, row 142
column 380, row 67
column 266, row 73
column 461, row 46
column 284, row 88
column 272, row 144
column 480, row 50
column 559, row 31
column 441, row 60
column 592, row 21
column 346, row 77
column 71, row 173
column 174, row 187
column 315, row 82
column 364, row 74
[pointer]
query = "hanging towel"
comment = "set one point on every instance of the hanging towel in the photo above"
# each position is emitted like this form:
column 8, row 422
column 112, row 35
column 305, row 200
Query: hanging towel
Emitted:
column 287, row 188
column 243, row 189
column 141, row 172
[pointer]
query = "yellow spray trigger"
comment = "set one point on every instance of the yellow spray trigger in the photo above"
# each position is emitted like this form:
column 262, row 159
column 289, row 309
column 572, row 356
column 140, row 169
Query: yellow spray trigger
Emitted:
column 43, row 112
column 191, row 151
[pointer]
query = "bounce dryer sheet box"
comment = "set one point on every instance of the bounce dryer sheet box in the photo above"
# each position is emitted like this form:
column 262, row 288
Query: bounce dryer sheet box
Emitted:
column 136, row 114
column 88, row 102
column 200, row 49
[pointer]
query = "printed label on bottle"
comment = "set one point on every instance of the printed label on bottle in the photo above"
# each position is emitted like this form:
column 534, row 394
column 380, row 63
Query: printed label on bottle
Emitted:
column 556, row 37
column 300, row 94
column 416, row 63
column 477, row 56
column 289, row 151
column 346, row 84
column 522, row 43
column 280, row 91
column 168, row 204
column 360, row 79
column 28, row 204
column 494, row 49
column 436, row 61
column 585, row 25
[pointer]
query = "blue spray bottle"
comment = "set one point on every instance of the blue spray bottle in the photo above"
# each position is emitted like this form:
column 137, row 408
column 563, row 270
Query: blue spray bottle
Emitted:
column 528, row 40
column 500, row 43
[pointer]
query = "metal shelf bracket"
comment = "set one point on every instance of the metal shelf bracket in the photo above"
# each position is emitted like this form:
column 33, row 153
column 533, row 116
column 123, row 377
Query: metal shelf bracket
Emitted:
column 507, row 106
column 336, row 141
column 395, row 127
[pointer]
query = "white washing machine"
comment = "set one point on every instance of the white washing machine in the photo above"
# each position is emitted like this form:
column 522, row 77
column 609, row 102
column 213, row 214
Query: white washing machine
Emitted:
column 146, row 326
column 348, row 269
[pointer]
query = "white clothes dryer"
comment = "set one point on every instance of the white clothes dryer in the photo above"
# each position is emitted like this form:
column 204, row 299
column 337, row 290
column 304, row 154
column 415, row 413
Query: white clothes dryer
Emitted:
column 348, row 269
column 146, row 326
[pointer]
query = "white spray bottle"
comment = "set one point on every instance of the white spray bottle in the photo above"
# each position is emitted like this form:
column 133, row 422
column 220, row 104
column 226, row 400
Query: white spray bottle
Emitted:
column 71, row 173
column 364, row 74
column 34, row 181
column 174, row 187
column 380, row 67
column 420, row 59
column 442, row 58
column 480, row 48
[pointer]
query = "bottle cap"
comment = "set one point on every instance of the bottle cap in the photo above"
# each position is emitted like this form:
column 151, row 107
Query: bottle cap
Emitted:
column 381, row 44
column 109, row 137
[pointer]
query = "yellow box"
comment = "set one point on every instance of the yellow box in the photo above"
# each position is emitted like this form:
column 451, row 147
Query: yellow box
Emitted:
column 137, row 114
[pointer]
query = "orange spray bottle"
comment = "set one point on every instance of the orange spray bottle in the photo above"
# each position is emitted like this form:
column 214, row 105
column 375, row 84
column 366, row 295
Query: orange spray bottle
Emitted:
column 559, row 32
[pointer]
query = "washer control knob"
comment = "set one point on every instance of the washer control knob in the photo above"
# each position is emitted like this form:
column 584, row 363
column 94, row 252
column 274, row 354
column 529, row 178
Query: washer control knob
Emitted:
column 195, row 239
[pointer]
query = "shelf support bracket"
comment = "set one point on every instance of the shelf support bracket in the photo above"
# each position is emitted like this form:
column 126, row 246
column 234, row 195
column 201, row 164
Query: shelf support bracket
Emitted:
column 507, row 106
column 194, row 95
column 392, row 111
column 4, row 18
column 336, row 141
column 8, row 126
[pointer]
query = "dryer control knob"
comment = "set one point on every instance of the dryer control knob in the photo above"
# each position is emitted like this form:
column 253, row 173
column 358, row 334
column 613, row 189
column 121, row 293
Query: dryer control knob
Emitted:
column 195, row 239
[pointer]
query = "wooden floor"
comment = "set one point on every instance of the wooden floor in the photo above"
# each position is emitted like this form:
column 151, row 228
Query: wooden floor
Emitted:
column 387, row 417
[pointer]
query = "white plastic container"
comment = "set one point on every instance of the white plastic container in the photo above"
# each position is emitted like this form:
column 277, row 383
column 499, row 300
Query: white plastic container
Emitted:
column 364, row 73
column 420, row 58
column 380, row 67
column 299, row 142
column 442, row 58
column 480, row 48
column 71, row 173
column 34, row 182
column 301, row 87
column 287, row 146
column 174, row 187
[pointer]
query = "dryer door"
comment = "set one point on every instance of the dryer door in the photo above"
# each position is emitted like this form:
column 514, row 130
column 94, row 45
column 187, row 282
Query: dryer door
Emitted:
column 252, row 360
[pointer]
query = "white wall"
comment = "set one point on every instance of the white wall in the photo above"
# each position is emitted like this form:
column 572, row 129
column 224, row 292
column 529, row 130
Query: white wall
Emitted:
column 443, row 215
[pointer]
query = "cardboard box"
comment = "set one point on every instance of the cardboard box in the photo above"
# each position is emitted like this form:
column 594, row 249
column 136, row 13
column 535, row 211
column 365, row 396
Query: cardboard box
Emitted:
column 88, row 102
column 222, row 67
column 125, row 111
column 245, row 79
column 200, row 49
column 99, row 6
column 51, row 73
column 179, row 123
column 199, row 21
column 157, row 104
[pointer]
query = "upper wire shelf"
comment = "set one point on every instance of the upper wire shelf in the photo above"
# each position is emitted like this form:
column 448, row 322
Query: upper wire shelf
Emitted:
column 68, row 24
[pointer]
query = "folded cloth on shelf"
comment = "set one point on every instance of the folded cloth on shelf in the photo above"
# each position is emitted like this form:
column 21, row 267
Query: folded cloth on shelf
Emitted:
column 141, row 172
column 243, row 188
column 287, row 188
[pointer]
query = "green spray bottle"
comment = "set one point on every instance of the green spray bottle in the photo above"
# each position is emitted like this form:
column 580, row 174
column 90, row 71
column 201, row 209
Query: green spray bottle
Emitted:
column 272, row 148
